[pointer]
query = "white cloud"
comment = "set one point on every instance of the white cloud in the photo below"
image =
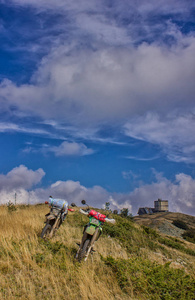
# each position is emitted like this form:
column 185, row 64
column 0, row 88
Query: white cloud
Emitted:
column 92, row 134
column 67, row 5
column 174, row 134
column 64, row 149
column 176, row 6
column 180, row 193
column 20, row 178
column 119, row 23
column 110, row 79
column 108, row 84
column 70, row 149
column 13, row 127
column 18, row 196
column 142, row 158
column 124, row 204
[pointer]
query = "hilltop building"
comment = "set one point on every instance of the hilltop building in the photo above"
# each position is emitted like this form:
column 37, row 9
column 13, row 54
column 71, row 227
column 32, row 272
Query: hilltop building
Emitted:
column 159, row 206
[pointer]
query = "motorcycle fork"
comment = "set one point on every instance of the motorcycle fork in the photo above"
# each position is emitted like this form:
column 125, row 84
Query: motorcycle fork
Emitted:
column 92, row 243
column 54, row 226
column 85, row 235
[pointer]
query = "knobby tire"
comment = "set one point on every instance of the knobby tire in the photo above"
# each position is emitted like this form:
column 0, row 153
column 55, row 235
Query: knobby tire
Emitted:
column 83, row 251
column 46, row 231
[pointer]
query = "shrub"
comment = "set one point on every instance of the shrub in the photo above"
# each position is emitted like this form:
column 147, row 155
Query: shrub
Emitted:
column 150, row 231
column 23, row 206
column 124, row 212
column 107, row 206
column 175, row 244
column 180, row 224
column 11, row 207
column 189, row 235
column 151, row 280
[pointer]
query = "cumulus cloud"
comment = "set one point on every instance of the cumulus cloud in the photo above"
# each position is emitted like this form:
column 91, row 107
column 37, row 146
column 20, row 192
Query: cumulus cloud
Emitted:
column 21, row 196
column 107, row 84
column 102, row 64
column 174, row 134
column 70, row 149
column 180, row 193
column 117, row 74
column 20, row 178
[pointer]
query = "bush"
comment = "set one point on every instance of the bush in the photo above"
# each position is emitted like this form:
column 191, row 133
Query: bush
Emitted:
column 189, row 235
column 151, row 280
column 180, row 224
column 23, row 206
column 150, row 231
column 11, row 207
column 176, row 244
column 124, row 212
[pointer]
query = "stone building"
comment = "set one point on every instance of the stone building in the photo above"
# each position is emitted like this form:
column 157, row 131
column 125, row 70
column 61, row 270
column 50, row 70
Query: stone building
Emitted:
column 159, row 206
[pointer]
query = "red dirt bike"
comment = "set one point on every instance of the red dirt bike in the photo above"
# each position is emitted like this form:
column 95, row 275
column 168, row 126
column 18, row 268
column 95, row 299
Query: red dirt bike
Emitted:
column 91, row 232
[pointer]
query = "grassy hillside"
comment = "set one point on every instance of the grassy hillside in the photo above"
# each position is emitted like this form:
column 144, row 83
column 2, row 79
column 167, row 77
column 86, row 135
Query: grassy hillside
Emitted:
column 157, row 218
column 131, row 261
column 174, row 224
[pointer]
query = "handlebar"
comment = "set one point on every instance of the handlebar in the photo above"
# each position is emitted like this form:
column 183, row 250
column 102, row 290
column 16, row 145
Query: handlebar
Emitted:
column 110, row 220
column 84, row 212
column 106, row 219
column 70, row 209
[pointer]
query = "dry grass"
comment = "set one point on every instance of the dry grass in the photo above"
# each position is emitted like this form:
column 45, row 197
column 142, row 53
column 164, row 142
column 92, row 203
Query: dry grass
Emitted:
column 31, row 268
column 158, row 218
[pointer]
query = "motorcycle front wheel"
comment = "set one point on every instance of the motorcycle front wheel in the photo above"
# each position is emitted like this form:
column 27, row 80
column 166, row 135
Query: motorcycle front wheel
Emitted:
column 83, row 251
column 46, row 231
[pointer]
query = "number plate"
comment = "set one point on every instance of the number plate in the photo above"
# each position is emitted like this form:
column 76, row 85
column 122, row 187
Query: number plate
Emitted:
column 55, row 211
column 90, row 230
column 94, row 221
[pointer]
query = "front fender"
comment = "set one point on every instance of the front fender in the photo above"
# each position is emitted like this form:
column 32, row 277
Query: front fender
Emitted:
column 51, row 217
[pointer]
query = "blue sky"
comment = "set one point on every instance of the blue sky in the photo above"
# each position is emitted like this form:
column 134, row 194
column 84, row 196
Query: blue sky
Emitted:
column 97, row 102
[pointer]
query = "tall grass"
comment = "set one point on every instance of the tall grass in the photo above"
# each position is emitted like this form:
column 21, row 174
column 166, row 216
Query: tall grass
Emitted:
column 31, row 268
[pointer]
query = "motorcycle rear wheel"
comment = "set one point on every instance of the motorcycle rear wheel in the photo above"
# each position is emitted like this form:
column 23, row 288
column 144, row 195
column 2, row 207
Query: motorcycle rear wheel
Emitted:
column 83, row 251
column 46, row 231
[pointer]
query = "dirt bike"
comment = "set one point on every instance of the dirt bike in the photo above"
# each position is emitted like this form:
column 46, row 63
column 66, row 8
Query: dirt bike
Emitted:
column 91, row 232
column 54, row 219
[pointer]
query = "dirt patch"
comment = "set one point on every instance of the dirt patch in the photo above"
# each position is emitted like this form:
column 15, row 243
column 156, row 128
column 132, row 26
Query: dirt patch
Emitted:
column 167, row 228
